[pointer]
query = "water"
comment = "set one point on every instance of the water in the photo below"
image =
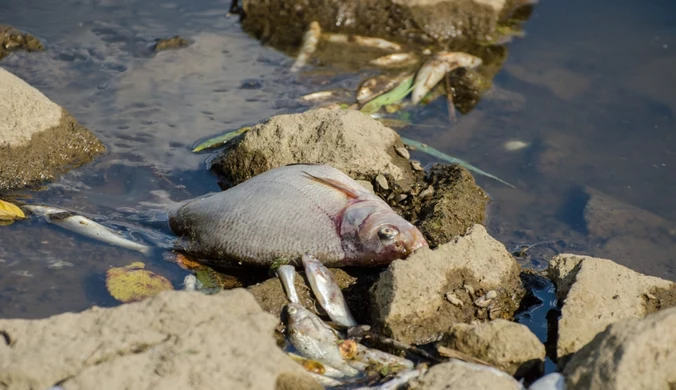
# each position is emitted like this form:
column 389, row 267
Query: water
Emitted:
column 591, row 88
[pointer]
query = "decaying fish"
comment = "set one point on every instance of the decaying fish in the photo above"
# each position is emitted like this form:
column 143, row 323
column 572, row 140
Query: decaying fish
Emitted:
column 375, row 86
column 292, row 210
column 313, row 339
column 376, row 43
column 436, row 68
column 396, row 60
column 310, row 41
column 287, row 274
column 86, row 227
column 327, row 292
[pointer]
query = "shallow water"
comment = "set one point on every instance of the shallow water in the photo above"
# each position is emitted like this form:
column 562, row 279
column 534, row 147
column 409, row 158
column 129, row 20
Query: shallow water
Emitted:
column 591, row 88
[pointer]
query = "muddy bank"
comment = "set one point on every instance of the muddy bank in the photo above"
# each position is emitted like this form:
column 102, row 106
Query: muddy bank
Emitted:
column 38, row 138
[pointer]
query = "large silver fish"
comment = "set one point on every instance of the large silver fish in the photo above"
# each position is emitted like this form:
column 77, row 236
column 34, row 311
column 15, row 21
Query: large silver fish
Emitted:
column 292, row 210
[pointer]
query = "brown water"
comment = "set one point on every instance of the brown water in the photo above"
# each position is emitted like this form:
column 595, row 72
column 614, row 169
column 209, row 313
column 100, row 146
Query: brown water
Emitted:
column 591, row 88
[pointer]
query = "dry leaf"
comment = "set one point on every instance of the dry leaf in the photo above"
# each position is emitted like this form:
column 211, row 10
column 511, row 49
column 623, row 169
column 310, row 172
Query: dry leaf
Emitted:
column 134, row 283
column 10, row 212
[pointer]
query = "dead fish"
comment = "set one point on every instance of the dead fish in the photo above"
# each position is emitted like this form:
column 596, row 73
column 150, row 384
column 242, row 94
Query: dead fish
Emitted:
column 292, row 210
column 436, row 68
column 396, row 60
column 373, row 42
column 375, row 86
column 399, row 380
column 314, row 339
column 310, row 40
column 85, row 227
column 327, row 292
column 370, row 356
column 553, row 381
column 287, row 274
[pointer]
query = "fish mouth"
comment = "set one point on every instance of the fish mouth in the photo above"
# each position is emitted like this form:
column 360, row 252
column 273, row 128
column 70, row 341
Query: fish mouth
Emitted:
column 418, row 241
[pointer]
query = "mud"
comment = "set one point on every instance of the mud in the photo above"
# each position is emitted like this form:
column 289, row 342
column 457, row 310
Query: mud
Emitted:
column 12, row 39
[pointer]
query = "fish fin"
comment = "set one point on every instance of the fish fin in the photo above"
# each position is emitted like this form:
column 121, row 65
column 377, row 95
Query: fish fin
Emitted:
column 335, row 184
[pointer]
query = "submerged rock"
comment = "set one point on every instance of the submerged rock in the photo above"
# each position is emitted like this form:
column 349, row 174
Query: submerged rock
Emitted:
column 38, row 138
column 175, row 42
column 507, row 345
column 458, row 375
column 631, row 354
column 598, row 292
column 409, row 301
column 12, row 39
column 175, row 340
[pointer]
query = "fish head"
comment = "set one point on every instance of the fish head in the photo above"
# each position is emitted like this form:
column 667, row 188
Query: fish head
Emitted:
column 376, row 234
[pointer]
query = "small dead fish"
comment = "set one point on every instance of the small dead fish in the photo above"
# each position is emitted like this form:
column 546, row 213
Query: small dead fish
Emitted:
column 327, row 292
column 436, row 68
column 373, row 42
column 310, row 40
column 321, row 95
column 287, row 274
column 396, row 60
column 86, row 227
column 513, row 146
column 553, row 381
column 375, row 86
column 190, row 283
column 370, row 355
column 293, row 210
column 313, row 339
column 399, row 380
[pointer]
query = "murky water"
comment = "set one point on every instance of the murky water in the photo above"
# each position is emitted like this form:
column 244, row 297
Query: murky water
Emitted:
column 591, row 88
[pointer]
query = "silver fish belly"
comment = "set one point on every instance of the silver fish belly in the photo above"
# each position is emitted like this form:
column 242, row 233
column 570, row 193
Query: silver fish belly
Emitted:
column 291, row 210
column 314, row 339
column 86, row 227
column 327, row 292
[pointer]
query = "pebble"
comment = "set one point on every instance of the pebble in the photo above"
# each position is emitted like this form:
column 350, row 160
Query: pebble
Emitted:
column 417, row 166
column 403, row 152
column 427, row 192
column 453, row 299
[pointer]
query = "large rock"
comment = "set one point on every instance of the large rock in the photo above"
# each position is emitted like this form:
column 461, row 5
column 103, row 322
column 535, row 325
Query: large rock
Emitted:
column 507, row 345
column 282, row 23
column 176, row 340
column 410, row 300
column 345, row 139
column 631, row 354
column 458, row 375
column 598, row 292
column 38, row 139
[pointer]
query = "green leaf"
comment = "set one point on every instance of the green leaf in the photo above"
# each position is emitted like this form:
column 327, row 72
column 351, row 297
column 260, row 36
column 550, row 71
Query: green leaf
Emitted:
column 393, row 97
column 445, row 157
column 220, row 140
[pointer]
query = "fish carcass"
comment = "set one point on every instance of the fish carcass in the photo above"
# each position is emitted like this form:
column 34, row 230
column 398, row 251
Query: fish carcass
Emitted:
column 292, row 210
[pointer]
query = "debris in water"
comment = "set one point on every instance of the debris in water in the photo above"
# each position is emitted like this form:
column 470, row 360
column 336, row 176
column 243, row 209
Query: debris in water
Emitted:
column 310, row 40
column 513, row 146
column 220, row 139
column 133, row 283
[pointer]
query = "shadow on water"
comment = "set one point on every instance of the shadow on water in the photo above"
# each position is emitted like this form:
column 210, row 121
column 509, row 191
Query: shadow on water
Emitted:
column 594, row 106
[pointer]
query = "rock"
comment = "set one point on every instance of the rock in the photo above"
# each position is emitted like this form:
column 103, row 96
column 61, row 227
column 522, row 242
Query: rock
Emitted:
column 456, row 204
column 509, row 346
column 12, row 39
column 346, row 139
column 282, row 23
column 175, row 340
column 631, row 354
column 459, row 375
column 408, row 301
column 175, row 42
column 38, row 139
column 598, row 292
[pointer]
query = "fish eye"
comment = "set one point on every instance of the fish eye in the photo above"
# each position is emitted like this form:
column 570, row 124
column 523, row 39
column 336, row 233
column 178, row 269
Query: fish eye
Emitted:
column 388, row 232
column 292, row 310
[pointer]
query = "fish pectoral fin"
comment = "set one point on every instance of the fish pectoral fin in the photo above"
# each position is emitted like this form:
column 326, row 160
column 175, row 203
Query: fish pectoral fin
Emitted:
column 335, row 184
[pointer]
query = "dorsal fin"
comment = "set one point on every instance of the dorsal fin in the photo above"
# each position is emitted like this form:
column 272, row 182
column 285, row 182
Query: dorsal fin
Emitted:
column 335, row 184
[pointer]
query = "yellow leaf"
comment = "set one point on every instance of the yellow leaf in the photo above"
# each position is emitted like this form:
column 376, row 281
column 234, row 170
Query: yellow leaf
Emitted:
column 134, row 283
column 10, row 212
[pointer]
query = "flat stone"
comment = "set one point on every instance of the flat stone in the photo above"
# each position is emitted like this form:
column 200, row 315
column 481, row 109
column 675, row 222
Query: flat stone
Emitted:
column 630, row 354
column 175, row 340
column 507, row 345
column 409, row 303
column 38, row 138
column 598, row 292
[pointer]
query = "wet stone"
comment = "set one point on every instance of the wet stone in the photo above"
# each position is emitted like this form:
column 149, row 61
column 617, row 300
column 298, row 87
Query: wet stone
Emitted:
column 12, row 39
column 175, row 42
